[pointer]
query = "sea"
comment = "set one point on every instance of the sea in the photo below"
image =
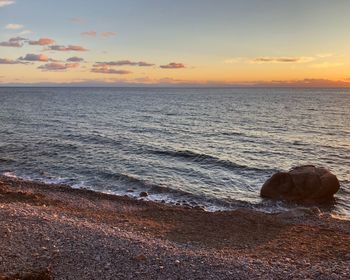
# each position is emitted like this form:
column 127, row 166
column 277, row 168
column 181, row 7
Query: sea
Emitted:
column 207, row 147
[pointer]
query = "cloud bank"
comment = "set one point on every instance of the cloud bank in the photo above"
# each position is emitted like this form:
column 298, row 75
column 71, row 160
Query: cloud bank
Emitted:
column 306, row 83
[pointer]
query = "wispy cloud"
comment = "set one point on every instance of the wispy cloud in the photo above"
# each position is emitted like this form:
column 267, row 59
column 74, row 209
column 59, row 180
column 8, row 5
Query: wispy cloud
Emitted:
column 173, row 65
column 106, row 70
column 235, row 60
column 305, row 83
column 56, row 66
column 266, row 59
column 123, row 63
column 4, row 3
column 9, row 61
column 25, row 32
column 34, row 57
column 14, row 26
column 77, row 20
column 75, row 59
column 108, row 34
column 324, row 55
column 89, row 33
column 327, row 65
column 271, row 59
column 94, row 34
column 16, row 42
column 42, row 42
column 67, row 48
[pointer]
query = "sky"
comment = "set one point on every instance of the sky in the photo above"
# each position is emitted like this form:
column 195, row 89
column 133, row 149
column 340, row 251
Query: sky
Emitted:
column 183, row 42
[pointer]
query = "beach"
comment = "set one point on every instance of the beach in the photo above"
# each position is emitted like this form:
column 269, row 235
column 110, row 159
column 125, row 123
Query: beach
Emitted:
column 174, row 140
column 57, row 232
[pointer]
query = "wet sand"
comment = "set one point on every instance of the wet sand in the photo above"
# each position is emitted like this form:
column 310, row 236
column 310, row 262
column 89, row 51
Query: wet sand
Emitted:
column 58, row 232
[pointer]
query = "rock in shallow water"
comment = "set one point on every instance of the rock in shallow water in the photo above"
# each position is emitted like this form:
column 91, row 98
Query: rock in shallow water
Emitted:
column 143, row 194
column 302, row 184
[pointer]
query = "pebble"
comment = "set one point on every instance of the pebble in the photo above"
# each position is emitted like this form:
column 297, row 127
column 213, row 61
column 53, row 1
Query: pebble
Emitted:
column 140, row 258
column 90, row 249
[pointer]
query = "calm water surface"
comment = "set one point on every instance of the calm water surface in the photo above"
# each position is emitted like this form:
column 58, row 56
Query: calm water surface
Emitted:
column 214, row 147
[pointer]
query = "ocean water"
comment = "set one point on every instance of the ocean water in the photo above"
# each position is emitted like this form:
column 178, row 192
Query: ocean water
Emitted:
column 213, row 147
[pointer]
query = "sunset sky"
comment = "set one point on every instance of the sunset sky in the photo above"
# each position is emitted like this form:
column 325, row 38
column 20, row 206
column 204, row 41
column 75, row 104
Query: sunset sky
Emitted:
column 194, row 42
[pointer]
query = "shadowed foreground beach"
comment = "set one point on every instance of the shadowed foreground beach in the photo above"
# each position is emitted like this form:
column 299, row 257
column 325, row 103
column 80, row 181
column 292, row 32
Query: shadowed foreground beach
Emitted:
column 56, row 232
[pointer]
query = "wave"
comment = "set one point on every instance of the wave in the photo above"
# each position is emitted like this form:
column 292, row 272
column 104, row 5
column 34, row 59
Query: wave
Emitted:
column 10, row 174
column 166, row 194
column 158, row 192
column 208, row 159
column 92, row 139
column 6, row 160
column 126, row 178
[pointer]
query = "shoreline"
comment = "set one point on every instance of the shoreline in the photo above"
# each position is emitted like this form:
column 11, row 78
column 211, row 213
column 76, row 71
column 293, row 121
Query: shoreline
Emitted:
column 82, row 234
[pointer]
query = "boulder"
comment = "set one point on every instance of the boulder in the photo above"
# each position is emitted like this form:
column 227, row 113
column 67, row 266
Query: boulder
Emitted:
column 302, row 184
column 143, row 194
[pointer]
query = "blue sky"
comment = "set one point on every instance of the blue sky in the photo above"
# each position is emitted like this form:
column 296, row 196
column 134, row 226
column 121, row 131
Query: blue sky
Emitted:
column 213, row 40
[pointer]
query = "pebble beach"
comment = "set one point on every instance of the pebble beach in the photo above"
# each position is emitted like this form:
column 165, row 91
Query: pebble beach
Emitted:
column 56, row 232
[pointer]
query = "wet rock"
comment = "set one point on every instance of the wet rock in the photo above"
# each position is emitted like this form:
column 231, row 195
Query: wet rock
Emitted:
column 143, row 194
column 302, row 184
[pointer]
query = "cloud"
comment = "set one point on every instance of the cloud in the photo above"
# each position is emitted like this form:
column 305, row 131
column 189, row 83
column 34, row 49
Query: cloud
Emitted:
column 93, row 33
column 327, row 65
column 324, row 55
column 25, row 32
column 282, row 60
column 313, row 83
column 55, row 66
column 66, row 49
column 42, row 42
column 144, row 64
column 9, row 61
column 234, row 60
column 77, row 20
column 173, row 65
column 107, row 70
column 89, row 33
column 34, row 57
column 14, row 26
column 75, row 59
column 16, row 42
column 108, row 34
column 4, row 3
column 123, row 63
